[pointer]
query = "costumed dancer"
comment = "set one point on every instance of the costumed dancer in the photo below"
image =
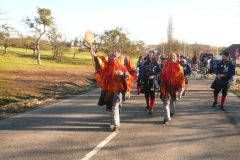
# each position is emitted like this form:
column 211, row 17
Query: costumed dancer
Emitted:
column 187, row 72
column 138, row 71
column 115, row 81
column 224, row 72
column 131, row 70
column 149, row 76
column 172, row 87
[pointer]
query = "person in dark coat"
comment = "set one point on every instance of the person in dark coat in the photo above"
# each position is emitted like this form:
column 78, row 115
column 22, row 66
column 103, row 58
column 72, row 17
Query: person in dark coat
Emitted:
column 224, row 72
column 150, row 72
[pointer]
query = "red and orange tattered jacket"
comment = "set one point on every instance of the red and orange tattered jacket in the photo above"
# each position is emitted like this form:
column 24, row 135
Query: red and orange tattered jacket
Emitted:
column 131, row 69
column 107, row 78
column 173, row 78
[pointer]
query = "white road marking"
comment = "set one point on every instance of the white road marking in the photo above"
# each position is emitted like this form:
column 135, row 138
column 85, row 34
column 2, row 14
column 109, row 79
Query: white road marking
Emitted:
column 98, row 147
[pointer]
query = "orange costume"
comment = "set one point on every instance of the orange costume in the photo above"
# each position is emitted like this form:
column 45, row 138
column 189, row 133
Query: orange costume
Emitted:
column 115, row 81
column 128, row 64
column 173, row 86
column 173, row 77
column 108, row 79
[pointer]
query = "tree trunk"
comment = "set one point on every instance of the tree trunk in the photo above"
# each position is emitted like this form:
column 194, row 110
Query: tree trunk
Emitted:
column 5, row 49
column 38, row 54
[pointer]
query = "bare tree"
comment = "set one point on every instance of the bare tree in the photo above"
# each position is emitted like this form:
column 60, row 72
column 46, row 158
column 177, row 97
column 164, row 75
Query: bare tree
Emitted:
column 6, row 37
column 58, row 44
column 40, row 25
column 117, row 39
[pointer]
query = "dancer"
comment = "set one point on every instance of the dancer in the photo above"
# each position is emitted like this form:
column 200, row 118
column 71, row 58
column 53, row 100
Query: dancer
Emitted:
column 224, row 72
column 173, row 86
column 115, row 81
column 149, row 76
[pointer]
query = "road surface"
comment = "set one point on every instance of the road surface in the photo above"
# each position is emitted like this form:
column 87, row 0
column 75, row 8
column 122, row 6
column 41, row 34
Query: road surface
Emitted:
column 78, row 129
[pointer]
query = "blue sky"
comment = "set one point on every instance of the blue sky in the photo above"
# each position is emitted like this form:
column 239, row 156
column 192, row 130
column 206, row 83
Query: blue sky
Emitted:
column 213, row 22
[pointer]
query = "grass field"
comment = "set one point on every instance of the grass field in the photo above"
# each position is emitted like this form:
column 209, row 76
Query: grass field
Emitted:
column 20, row 58
column 17, row 57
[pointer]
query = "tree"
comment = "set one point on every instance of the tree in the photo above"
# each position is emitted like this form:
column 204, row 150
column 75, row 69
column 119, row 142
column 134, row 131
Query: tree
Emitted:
column 40, row 25
column 26, row 44
column 6, row 37
column 117, row 39
column 59, row 45
column 170, row 33
column 111, row 40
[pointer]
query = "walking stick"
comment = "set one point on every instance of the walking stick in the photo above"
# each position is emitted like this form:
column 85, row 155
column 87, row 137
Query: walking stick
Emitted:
column 89, row 37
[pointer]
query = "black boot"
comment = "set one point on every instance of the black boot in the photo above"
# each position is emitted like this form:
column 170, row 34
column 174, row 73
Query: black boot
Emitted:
column 222, row 108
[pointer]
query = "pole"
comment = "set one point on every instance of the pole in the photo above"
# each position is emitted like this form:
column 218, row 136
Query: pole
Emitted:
column 184, row 49
column 163, row 47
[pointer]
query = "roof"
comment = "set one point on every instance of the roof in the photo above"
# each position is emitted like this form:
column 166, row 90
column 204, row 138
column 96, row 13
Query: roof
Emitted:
column 232, row 49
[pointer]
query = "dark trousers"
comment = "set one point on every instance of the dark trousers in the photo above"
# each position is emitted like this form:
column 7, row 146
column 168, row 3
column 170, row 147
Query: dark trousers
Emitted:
column 220, row 87
column 149, row 89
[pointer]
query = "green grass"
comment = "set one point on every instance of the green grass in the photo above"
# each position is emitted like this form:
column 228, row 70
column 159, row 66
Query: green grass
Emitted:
column 20, row 58
column 17, row 57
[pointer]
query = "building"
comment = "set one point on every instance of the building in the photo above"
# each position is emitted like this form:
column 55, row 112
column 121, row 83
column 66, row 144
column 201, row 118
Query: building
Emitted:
column 234, row 51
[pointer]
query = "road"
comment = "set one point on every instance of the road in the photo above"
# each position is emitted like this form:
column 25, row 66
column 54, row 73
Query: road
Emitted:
column 78, row 129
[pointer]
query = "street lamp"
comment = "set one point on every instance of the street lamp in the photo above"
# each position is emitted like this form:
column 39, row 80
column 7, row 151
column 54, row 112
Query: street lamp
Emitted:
column 162, row 47
column 184, row 48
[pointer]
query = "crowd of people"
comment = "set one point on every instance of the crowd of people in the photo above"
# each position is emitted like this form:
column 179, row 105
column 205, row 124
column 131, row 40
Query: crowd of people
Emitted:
column 167, row 75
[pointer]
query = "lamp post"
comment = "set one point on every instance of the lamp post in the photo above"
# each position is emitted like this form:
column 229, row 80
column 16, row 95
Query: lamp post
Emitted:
column 184, row 48
column 162, row 47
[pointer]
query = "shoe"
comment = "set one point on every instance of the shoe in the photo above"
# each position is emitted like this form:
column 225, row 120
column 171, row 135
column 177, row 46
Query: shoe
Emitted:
column 150, row 112
column 147, row 108
column 116, row 128
column 214, row 104
column 222, row 108
column 171, row 114
column 165, row 121
column 138, row 93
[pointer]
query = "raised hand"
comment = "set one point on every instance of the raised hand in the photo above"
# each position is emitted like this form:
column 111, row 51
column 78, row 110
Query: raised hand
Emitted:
column 93, row 53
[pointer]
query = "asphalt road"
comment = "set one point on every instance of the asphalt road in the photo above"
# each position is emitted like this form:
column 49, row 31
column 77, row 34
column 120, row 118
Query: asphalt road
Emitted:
column 78, row 129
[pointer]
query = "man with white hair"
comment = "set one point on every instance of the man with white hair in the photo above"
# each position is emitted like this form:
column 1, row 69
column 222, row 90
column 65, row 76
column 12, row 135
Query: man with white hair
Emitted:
column 115, row 80
column 172, row 87
column 186, row 68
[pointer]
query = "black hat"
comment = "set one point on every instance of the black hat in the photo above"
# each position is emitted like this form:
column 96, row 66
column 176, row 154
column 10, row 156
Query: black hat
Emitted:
column 226, row 54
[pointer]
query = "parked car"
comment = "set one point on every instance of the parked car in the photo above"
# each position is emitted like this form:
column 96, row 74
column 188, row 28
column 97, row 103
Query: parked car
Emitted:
column 213, row 65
